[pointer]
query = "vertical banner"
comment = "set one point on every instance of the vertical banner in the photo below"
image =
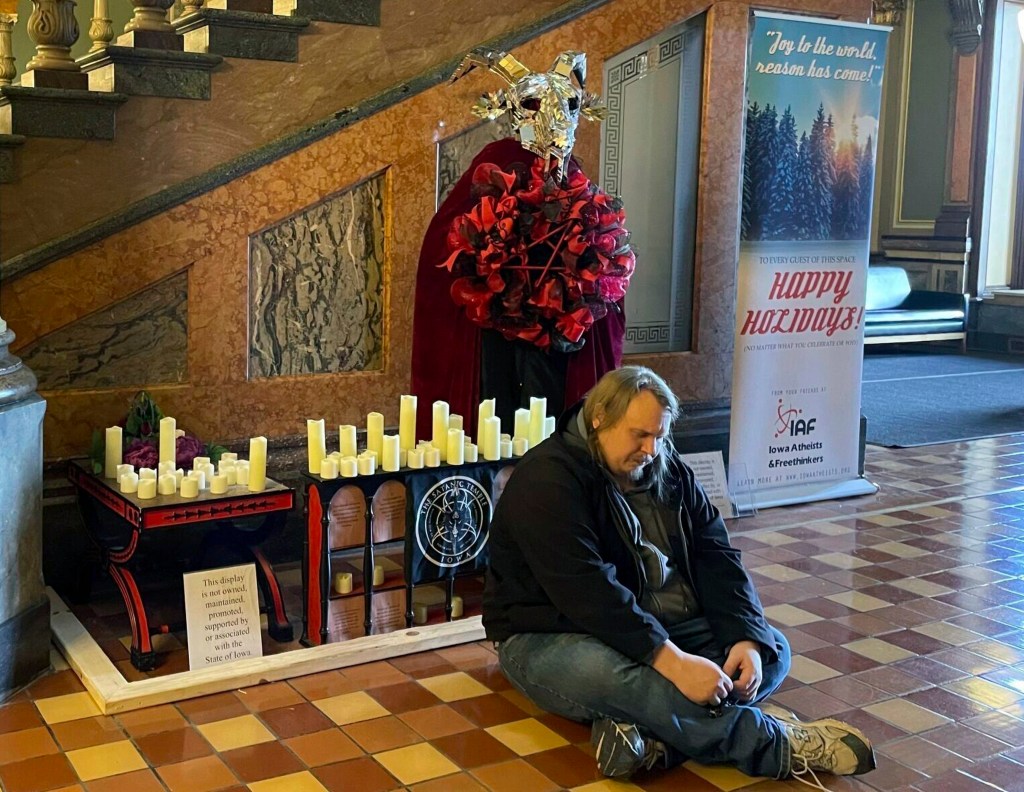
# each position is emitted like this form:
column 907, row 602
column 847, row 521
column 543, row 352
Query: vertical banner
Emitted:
column 814, row 90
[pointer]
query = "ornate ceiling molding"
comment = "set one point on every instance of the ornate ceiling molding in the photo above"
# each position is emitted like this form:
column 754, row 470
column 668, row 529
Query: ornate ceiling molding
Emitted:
column 966, row 32
column 888, row 12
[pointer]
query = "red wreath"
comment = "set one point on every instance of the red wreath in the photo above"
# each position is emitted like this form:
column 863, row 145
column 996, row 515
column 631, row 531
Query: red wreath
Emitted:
column 536, row 259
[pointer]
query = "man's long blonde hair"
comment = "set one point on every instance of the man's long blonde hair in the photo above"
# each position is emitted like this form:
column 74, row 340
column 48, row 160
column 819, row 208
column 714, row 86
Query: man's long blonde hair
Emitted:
column 609, row 399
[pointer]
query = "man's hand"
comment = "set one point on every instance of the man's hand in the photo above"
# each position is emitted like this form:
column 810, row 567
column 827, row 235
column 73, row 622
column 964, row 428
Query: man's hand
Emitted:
column 745, row 659
column 697, row 678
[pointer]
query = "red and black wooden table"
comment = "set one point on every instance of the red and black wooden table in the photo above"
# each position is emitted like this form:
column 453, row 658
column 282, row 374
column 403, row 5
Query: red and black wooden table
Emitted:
column 122, row 526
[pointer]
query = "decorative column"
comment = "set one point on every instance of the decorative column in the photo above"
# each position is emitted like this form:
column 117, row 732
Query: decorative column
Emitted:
column 7, row 22
column 149, row 27
column 101, row 26
column 52, row 27
column 24, row 607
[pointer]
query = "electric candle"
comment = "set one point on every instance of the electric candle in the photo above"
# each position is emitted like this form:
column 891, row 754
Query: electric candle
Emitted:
column 147, row 489
column 414, row 459
column 522, row 424
column 257, row 464
column 419, row 612
column 329, row 468
column 198, row 462
column 164, row 468
column 343, row 582
column 208, row 471
column 229, row 456
column 189, row 487
column 455, row 421
column 179, row 474
column 491, row 438
column 390, row 461
column 456, row 607
column 403, row 457
column 122, row 469
column 347, row 440
column 147, row 473
column 469, row 452
column 167, row 440
column 483, row 412
column 549, row 426
column 367, row 464
column 129, row 482
column 231, row 474
column 432, row 457
column 520, row 446
column 112, row 454
column 166, row 484
column 375, row 433
column 456, row 441
column 242, row 472
column 538, row 412
column 504, row 436
column 199, row 477
column 378, row 575
column 218, row 484
column 506, row 449
column 439, row 439
column 316, row 444
column 348, row 467
column 407, row 422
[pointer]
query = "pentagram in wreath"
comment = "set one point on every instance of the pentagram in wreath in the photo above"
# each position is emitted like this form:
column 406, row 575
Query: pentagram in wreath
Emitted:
column 451, row 521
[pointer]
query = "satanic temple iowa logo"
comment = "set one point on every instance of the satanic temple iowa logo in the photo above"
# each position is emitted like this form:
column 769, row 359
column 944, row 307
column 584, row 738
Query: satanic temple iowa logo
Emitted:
column 452, row 520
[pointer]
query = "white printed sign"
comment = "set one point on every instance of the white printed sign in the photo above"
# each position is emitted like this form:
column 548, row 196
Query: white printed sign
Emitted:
column 222, row 615
column 709, row 469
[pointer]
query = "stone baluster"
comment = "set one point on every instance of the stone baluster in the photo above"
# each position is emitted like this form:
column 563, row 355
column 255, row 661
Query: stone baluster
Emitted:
column 101, row 27
column 7, row 67
column 149, row 26
column 191, row 7
column 52, row 27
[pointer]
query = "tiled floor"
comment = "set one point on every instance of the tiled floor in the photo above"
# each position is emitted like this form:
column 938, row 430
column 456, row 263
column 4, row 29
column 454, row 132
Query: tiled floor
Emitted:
column 904, row 610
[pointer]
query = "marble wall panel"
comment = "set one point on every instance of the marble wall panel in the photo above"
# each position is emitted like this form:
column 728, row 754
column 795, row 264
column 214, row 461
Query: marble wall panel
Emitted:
column 316, row 288
column 140, row 340
column 454, row 154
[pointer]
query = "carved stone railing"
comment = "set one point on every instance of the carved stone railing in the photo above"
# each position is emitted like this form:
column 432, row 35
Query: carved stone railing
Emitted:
column 52, row 27
column 7, row 66
column 101, row 26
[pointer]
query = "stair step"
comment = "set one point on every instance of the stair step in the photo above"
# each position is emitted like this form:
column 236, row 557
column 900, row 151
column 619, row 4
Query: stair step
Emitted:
column 58, row 112
column 242, row 34
column 253, row 6
column 150, row 72
column 348, row 12
column 8, row 143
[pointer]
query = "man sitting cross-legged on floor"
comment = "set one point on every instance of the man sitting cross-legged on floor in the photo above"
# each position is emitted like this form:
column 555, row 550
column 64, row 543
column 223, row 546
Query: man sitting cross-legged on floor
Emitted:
column 615, row 597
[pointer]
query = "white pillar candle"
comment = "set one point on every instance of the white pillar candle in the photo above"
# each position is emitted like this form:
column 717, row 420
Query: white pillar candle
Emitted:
column 129, row 482
column 470, row 453
column 522, row 424
column 375, row 433
column 439, row 438
column 549, row 426
column 348, row 467
column 147, row 473
column 257, row 464
column 189, row 487
column 231, row 474
column 455, row 421
column 390, row 460
column 198, row 462
column 168, row 441
column 242, row 472
column 163, row 468
column 538, row 412
column 505, row 436
column 432, row 457
column 490, row 443
column 336, row 455
column 166, row 484
column 407, row 422
column 456, row 607
column 147, row 488
column 112, row 452
column 199, row 477
column 122, row 469
column 179, row 474
column 378, row 575
column 520, row 446
column 218, row 484
column 347, row 440
column 456, row 442
column 419, row 612
column 225, row 465
column 403, row 456
column 414, row 459
column 506, row 449
column 343, row 582
column 367, row 464
column 483, row 412
column 329, row 468
column 316, row 445
column 209, row 471
column 229, row 456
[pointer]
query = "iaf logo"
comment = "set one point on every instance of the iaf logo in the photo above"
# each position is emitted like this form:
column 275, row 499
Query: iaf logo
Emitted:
column 451, row 519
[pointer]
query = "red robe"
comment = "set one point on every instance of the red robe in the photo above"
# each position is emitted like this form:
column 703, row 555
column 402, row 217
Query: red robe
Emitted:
column 446, row 345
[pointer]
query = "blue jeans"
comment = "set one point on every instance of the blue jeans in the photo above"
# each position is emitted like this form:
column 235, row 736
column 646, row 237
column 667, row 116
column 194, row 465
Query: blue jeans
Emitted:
column 581, row 678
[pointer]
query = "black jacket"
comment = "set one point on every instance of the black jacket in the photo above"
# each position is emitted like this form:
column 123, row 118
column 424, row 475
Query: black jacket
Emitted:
column 562, row 560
